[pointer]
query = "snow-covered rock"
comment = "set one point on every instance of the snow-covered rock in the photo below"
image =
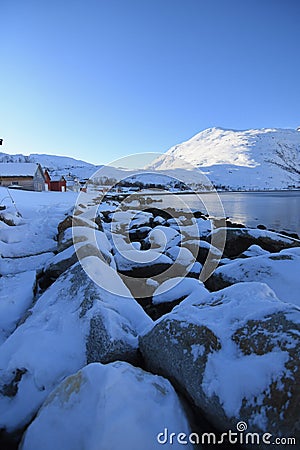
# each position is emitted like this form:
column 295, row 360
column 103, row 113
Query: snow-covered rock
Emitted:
column 199, row 228
column 141, row 218
column 88, row 242
column 10, row 218
column 23, row 264
column 181, row 255
column 280, row 271
column 240, row 239
column 162, row 297
column 65, row 237
column 162, row 238
column 235, row 354
column 76, row 221
column 113, row 406
column 73, row 323
column 202, row 249
column 139, row 264
column 254, row 250
column 16, row 296
column 176, row 289
column 137, row 234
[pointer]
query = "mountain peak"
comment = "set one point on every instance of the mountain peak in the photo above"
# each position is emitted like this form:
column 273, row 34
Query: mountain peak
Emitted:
column 266, row 158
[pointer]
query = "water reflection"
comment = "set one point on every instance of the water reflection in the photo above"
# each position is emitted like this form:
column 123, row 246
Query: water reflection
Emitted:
column 276, row 210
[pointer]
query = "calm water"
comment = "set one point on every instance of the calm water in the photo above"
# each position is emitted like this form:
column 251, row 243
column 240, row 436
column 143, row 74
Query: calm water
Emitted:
column 277, row 210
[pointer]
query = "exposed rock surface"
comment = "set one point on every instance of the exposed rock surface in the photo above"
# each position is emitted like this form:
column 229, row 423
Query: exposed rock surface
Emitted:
column 235, row 355
column 73, row 323
column 239, row 239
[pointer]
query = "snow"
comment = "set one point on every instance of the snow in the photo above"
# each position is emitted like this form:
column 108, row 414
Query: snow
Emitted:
column 18, row 265
column 198, row 229
column 163, row 237
column 242, row 378
column 115, row 292
column 16, row 296
column 239, row 159
column 235, row 159
column 18, row 169
column 255, row 250
column 51, row 343
column 239, row 304
column 133, row 258
column 178, row 288
column 124, row 408
column 280, row 271
column 229, row 374
column 181, row 255
column 29, row 244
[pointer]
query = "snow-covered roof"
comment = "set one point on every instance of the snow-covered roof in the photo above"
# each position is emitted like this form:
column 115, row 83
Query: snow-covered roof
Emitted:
column 57, row 178
column 18, row 169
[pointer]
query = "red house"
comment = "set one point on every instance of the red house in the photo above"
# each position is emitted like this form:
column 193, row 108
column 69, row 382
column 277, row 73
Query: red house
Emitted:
column 47, row 180
column 56, row 183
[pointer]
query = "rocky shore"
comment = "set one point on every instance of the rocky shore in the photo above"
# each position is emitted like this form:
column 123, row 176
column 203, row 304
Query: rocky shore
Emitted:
column 144, row 322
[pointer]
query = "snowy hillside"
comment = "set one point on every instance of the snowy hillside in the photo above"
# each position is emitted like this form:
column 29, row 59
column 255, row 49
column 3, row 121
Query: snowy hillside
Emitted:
column 63, row 165
column 250, row 159
column 57, row 165
column 234, row 160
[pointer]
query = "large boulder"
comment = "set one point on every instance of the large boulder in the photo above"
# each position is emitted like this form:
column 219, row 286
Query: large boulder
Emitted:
column 88, row 242
column 76, row 221
column 279, row 270
column 235, row 355
column 240, row 239
column 73, row 323
column 113, row 406
column 65, row 239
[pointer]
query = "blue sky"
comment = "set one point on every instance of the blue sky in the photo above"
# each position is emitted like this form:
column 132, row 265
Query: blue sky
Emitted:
column 101, row 79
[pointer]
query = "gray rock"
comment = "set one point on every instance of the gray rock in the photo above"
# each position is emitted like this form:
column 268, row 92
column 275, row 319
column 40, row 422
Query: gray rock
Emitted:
column 74, row 322
column 240, row 239
column 111, row 406
column 235, row 356
column 279, row 270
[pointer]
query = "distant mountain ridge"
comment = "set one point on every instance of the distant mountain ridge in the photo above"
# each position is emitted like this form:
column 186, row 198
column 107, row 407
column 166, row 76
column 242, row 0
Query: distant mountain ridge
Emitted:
column 249, row 159
column 262, row 159
column 57, row 165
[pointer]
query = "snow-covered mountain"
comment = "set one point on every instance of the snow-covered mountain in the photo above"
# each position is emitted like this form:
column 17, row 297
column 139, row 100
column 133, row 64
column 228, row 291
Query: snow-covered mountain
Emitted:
column 230, row 159
column 57, row 165
column 250, row 159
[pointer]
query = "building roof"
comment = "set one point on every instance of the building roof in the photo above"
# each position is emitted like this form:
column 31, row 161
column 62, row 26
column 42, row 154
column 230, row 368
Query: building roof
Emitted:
column 57, row 178
column 18, row 169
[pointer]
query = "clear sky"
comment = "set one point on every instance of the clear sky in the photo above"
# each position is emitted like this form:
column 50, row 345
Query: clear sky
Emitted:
column 101, row 79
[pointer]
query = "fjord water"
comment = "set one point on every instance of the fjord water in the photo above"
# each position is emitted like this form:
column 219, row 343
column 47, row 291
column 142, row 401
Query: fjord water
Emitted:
column 278, row 210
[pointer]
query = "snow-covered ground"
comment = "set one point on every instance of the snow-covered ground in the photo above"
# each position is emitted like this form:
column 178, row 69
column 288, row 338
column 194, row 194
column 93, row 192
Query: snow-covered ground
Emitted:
column 31, row 243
